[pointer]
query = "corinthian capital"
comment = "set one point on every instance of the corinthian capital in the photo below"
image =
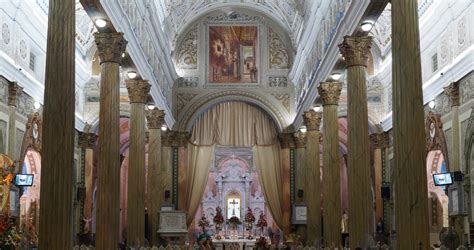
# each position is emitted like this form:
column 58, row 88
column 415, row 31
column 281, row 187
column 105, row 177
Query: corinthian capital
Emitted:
column 155, row 118
column 312, row 119
column 330, row 92
column 300, row 139
column 87, row 140
column 380, row 140
column 355, row 50
column 453, row 92
column 138, row 90
column 110, row 46
column 14, row 91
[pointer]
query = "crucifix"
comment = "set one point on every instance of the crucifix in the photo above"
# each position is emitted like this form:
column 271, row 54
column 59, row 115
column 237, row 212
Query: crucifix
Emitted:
column 233, row 203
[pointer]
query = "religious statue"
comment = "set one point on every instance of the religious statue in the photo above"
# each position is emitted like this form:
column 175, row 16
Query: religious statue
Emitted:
column 262, row 222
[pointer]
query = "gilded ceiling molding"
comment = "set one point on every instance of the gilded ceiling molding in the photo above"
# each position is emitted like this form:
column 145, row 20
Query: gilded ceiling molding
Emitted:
column 194, row 109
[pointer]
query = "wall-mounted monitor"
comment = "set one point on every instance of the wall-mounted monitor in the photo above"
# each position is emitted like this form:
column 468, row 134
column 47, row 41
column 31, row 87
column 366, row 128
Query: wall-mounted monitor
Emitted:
column 23, row 180
column 443, row 179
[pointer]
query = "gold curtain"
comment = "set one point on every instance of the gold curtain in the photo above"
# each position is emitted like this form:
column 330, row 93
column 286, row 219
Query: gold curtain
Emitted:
column 240, row 125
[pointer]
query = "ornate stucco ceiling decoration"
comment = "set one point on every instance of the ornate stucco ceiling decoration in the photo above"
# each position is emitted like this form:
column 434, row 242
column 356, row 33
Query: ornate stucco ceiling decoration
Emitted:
column 176, row 15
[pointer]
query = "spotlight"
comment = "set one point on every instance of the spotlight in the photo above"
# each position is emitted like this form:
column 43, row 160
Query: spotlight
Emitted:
column 36, row 105
column 132, row 74
column 164, row 127
column 317, row 108
column 366, row 25
column 123, row 54
column 150, row 106
column 101, row 23
column 303, row 129
column 432, row 104
column 336, row 76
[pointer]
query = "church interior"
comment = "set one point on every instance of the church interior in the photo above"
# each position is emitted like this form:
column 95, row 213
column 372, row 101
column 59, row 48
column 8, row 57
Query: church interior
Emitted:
column 236, row 124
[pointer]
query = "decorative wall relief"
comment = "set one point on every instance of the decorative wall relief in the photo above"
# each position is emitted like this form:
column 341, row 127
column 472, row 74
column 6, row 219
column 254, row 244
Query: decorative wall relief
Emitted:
column 278, row 53
column 188, row 82
column 467, row 88
column 187, row 57
column 277, row 81
column 182, row 99
column 18, row 141
column 284, row 99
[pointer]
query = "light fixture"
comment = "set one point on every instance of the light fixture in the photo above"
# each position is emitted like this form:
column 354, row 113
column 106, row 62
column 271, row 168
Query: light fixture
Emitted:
column 101, row 23
column 303, row 129
column 432, row 104
column 366, row 25
column 336, row 76
column 123, row 54
column 317, row 108
column 150, row 106
column 164, row 127
column 132, row 74
column 36, row 105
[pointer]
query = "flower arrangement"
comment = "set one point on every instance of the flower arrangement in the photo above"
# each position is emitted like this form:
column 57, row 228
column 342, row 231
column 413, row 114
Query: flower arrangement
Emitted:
column 234, row 221
column 249, row 217
column 203, row 223
column 218, row 218
column 9, row 236
column 262, row 222
column 262, row 243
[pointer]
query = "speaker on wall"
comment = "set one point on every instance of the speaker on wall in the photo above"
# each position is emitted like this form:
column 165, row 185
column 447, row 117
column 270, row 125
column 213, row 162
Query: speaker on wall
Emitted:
column 457, row 175
column 167, row 194
column 300, row 193
column 385, row 190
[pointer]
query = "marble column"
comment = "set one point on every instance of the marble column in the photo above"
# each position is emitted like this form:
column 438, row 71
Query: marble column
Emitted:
column 14, row 91
column 300, row 173
column 156, row 173
column 110, row 47
column 380, row 142
column 355, row 51
column 452, row 91
column 411, row 198
column 86, row 143
column 312, row 120
column 138, row 94
column 286, row 140
column 55, row 215
column 329, row 93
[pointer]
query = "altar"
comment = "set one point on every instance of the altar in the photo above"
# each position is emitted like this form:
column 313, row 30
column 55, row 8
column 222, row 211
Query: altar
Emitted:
column 234, row 244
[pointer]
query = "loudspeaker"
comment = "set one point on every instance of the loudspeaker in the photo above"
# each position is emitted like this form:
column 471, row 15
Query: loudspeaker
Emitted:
column 167, row 194
column 80, row 193
column 385, row 190
column 457, row 175
column 300, row 193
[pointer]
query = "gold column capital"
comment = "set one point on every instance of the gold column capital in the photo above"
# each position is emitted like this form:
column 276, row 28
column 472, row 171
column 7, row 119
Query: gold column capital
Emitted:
column 312, row 119
column 181, row 138
column 167, row 138
column 452, row 91
column 286, row 139
column 380, row 140
column 87, row 140
column 155, row 118
column 14, row 91
column 110, row 46
column 299, row 139
column 330, row 92
column 355, row 50
column 138, row 90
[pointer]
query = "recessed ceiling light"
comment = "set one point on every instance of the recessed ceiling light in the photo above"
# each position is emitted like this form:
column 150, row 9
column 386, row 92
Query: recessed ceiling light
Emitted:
column 151, row 106
column 336, row 76
column 36, row 105
column 164, row 127
column 366, row 26
column 123, row 54
column 317, row 108
column 432, row 104
column 101, row 23
column 303, row 129
column 132, row 74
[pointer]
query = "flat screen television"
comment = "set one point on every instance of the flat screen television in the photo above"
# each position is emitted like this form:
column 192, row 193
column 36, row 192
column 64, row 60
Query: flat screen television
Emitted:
column 443, row 179
column 23, row 180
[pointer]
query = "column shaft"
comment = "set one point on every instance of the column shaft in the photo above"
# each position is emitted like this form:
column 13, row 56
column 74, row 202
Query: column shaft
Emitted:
column 55, row 223
column 138, row 93
column 330, row 92
column 355, row 50
column 157, row 177
column 312, row 120
column 285, row 141
column 411, row 198
column 14, row 91
column 110, row 47
column 86, row 143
